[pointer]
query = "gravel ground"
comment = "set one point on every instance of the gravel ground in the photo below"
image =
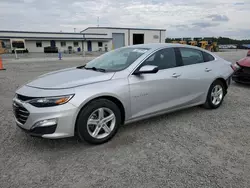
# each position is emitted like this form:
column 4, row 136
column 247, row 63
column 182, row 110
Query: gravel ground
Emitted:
column 189, row 148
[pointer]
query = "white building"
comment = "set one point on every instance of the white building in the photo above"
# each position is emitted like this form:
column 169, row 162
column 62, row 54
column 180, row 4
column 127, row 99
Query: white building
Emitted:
column 90, row 39
column 125, row 36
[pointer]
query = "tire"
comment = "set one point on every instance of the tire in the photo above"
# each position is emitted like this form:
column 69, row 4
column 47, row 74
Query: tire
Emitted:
column 210, row 103
column 91, row 113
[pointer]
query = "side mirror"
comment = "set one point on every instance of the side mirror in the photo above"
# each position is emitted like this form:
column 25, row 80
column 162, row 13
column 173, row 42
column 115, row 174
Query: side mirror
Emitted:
column 147, row 69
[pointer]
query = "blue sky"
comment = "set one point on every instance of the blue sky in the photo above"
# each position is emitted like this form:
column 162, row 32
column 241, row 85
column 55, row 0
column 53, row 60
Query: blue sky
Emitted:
column 181, row 18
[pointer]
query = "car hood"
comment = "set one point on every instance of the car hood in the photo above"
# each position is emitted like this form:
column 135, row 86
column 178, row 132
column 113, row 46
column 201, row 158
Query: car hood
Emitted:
column 69, row 78
column 245, row 62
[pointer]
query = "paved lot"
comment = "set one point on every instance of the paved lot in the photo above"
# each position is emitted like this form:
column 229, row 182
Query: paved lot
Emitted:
column 45, row 56
column 189, row 148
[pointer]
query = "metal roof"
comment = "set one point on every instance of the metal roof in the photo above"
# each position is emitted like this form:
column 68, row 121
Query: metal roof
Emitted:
column 123, row 28
column 38, row 32
column 53, row 38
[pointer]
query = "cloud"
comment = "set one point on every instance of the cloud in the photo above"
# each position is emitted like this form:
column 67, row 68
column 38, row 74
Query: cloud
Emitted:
column 220, row 18
column 181, row 18
column 239, row 3
column 204, row 24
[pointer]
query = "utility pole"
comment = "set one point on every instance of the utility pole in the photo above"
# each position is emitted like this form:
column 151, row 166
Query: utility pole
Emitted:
column 98, row 21
column 74, row 29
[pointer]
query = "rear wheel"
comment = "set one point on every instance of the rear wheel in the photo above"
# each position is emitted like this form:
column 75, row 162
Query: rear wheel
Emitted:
column 215, row 95
column 98, row 122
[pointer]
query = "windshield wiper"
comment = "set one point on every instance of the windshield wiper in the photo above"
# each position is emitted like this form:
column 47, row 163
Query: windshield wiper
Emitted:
column 95, row 69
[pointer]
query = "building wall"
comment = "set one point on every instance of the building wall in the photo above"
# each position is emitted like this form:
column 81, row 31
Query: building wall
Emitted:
column 94, row 35
column 150, row 36
column 109, row 33
column 68, row 43
column 31, row 45
column 95, row 45
column 163, row 36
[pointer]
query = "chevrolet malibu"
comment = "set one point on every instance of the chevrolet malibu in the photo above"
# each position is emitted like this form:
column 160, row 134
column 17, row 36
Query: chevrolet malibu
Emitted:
column 124, row 85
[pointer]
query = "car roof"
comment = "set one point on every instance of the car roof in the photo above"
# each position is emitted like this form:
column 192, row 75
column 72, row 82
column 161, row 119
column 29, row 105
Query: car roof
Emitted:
column 162, row 45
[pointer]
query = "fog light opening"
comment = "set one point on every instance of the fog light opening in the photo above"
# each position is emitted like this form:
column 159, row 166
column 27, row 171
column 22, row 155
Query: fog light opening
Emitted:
column 45, row 123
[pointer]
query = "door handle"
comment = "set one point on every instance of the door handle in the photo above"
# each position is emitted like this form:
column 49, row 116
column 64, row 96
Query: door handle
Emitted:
column 175, row 75
column 207, row 70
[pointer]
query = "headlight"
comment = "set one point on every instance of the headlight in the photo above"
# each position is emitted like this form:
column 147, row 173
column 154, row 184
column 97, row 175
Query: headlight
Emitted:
column 235, row 66
column 50, row 101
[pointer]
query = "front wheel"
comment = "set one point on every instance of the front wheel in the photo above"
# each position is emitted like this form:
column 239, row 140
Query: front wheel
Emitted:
column 215, row 95
column 98, row 122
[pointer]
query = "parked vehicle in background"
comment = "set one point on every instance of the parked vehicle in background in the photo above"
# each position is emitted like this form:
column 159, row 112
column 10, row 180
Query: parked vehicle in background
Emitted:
column 205, row 44
column 18, row 45
column 193, row 43
column 122, row 86
column 227, row 46
column 50, row 49
column 242, row 70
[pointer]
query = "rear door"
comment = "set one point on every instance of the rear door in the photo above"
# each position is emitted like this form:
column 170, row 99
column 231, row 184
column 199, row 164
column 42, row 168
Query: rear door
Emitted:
column 197, row 73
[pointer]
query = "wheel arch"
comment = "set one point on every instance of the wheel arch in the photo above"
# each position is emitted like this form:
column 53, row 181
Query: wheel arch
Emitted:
column 223, row 81
column 220, row 79
column 111, row 98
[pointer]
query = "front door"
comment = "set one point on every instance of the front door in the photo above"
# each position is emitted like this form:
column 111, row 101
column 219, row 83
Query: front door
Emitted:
column 159, row 91
column 89, row 44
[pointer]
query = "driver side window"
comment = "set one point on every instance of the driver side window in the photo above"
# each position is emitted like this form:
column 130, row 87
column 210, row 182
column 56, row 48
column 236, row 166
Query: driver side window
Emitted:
column 163, row 59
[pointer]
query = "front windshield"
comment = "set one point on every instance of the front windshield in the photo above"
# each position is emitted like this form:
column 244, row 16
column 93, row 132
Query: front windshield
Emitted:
column 116, row 60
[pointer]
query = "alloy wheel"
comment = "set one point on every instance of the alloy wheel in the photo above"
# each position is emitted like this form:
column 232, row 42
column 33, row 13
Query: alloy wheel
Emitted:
column 101, row 123
column 217, row 94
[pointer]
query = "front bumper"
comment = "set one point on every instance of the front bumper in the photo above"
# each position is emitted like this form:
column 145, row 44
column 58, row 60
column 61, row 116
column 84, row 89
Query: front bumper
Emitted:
column 241, row 78
column 39, row 131
column 64, row 115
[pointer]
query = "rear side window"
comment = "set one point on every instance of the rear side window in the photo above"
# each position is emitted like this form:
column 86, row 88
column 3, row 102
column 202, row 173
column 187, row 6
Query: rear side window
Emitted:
column 207, row 57
column 191, row 56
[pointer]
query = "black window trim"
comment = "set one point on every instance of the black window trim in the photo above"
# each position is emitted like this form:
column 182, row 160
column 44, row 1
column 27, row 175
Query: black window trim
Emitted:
column 152, row 53
column 178, row 57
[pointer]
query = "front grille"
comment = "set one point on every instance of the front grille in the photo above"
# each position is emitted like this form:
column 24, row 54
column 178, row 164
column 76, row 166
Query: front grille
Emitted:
column 24, row 98
column 245, row 70
column 20, row 113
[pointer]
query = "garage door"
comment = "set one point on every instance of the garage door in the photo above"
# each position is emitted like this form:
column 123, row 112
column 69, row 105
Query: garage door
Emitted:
column 118, row 40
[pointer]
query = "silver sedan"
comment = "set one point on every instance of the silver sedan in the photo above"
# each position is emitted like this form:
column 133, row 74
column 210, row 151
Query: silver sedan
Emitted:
column 122, row 86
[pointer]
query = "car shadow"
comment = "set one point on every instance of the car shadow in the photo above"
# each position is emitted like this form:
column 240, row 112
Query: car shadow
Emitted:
column 123, row 137
column 61, row 144
column 241, row 85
